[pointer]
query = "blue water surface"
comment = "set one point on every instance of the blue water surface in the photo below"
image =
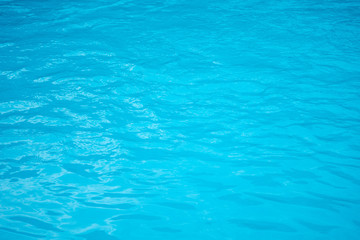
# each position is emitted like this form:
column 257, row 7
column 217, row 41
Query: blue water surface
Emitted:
column 180, row 119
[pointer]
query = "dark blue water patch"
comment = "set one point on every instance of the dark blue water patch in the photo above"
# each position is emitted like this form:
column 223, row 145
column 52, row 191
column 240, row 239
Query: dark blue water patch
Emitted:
column 95, row 235
column 15, row 234
column 111, row 206
column 298, row 201
column 357, row 223
column 129, row 195
column 240, row 199
column 342, row 175
column 166, row 229
column 36, row 223
column 136, row 217
column 334, row 198
column 209, row 184
column 320, row 228
column 53, row 213
column 12, row 144
column 81, row 169
column 59, row 188
column 177, row 205
column 19, row 174
column 263, row 225
column 63, row 194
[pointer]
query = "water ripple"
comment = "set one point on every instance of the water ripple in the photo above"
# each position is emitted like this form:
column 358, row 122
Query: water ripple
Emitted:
column 179, row 119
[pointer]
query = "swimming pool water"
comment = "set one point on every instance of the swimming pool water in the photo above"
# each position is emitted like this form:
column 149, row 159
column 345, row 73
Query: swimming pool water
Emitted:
column 180, row 119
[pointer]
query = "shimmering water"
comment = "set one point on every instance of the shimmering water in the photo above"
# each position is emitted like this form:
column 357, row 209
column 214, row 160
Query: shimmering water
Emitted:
column 180, row 120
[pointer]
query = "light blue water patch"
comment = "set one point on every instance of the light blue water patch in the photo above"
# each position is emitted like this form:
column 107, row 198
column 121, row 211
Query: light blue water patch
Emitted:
column 180, row 120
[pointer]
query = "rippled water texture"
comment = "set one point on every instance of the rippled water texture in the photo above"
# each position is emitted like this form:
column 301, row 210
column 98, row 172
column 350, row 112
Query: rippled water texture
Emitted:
column 177, row 119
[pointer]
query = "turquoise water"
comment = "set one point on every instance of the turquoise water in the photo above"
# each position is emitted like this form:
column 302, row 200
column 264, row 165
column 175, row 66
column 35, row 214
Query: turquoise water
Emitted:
column 180, row 120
